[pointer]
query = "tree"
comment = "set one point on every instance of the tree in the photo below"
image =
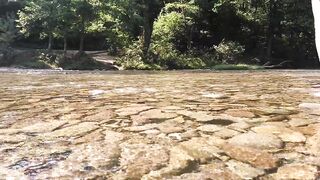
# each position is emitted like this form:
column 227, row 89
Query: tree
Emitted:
column 85, row 13
column 7, row 36
column 7, row 31
column 41, row 16
column 65, row 20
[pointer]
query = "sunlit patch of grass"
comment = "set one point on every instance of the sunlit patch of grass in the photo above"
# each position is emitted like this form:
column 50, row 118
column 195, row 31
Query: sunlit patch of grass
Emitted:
column 237, row 67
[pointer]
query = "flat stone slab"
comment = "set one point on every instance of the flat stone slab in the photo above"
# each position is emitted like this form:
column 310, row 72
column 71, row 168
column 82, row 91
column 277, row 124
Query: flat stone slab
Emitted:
column 243, row 170
column 285, row 134
column 257, row 140
column 132, row 110
column 313, row 108
column 72, row 131
column 257, row 158
column 297, row 171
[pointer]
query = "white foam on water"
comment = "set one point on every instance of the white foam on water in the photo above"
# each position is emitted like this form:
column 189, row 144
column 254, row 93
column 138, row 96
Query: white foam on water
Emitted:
column 317, row 94
column 212, row 95
column 96, row 92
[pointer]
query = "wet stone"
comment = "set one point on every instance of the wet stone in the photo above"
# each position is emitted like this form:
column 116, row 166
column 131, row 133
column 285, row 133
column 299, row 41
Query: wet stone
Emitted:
column 285, row 134
column 101, row 115
column 209, row 128
column 312, row 108
column 257, row 158
column 217, row 171
column 201, row 149
column 141, row 128
column 179, row 162
column 313, row 144
column 257, row 140
column 151, row 116
column 241, row 126
column 240, row 113
column 297, row 171
column 72, row 131
column 276, row 111
column 298, row 122
column 43, row 127
column 198, row 116
column 13, row 139
column 243, row 170
column 140, row 159
column 132, row 110
column 226, row 133
column 87, row 159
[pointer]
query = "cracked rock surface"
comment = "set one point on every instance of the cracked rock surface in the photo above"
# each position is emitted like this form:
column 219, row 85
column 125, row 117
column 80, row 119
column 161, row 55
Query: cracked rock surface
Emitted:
column 167, row 125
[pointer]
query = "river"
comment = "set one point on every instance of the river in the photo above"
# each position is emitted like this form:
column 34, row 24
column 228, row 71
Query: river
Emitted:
column 159, row 125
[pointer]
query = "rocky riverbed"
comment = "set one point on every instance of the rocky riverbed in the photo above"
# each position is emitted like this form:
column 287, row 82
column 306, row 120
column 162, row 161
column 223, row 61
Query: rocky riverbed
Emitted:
column 167, row 125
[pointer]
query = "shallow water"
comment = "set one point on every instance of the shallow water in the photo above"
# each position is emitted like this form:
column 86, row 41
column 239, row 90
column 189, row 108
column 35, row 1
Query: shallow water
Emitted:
column 167, row 125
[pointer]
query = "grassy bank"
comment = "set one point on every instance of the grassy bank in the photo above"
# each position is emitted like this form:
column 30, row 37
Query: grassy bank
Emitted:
column 237, row 67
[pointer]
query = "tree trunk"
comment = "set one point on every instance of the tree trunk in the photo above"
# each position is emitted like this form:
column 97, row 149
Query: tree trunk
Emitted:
column 270, row 33
column 147, row 30
column 82, row 34
column 189, row 38
column 81, row 46
column 50, row 39
column 65, row 44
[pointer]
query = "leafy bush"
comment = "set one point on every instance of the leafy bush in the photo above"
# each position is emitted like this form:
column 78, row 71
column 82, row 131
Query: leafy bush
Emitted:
column 168, row 27
column 159, row 57
column 134, row 58
column 228, row 52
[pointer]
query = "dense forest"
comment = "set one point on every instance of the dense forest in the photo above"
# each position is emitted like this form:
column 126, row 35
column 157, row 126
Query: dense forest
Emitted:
column 164, row 34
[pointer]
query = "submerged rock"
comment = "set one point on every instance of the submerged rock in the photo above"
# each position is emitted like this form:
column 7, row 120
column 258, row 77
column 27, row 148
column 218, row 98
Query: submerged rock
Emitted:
column 216, row 171
column 243, row 170
column 257, row 140
column 140, row 159
column 313, row 144
column 132, row 110
column 312, row 108
column 297, row 171
column 209, row 128
column 240, row 113
column 201, row 149
column 151, row 116
column 88, row 159
column 179, row 162
column 43, row 127
column 255, row 157
column 198, row 116
column 298, row 122
column 285, row 134
column 71, row 131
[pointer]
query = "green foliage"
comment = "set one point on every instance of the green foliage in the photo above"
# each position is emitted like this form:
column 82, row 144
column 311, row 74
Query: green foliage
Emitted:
column 174, row 34
column 38, row 16
column 134, row 58
column 228, row 51
column 7, row 31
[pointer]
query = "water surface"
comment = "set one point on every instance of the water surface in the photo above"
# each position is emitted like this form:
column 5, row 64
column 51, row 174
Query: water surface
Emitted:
column 168, row 125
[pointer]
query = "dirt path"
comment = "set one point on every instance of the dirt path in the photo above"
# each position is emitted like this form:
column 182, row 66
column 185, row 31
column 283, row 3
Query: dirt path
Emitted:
column 103, row 57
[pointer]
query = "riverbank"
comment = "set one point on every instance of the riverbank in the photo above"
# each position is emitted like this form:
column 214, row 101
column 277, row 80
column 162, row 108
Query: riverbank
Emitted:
column 57, row 59
column 101, row 60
